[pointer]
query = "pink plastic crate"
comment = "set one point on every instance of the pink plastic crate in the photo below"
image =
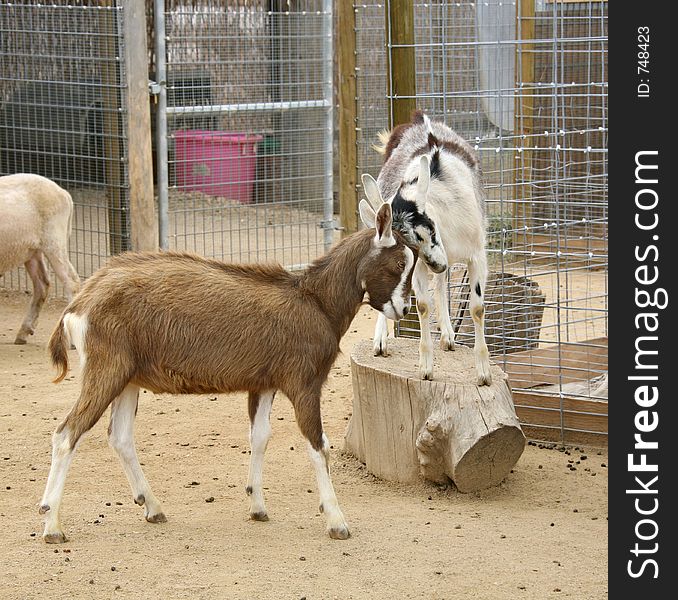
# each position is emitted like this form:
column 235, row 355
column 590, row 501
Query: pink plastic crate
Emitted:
column 218, row 163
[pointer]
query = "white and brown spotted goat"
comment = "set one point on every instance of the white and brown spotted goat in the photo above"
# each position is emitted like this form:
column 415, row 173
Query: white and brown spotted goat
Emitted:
column 432, row 179
column 181, row 324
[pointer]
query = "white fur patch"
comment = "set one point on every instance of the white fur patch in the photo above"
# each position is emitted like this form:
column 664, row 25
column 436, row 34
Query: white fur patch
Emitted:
column 75, row 327
column 394, row 309
column 385, row 241
column 260, row 433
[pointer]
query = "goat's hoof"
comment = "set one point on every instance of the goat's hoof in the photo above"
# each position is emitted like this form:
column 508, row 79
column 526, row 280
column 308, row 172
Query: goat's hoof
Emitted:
column 20, row 341
column 57, row 537
column 339, row 533
column 484, row 376
column 446, row 344
column 485, row 379
column 380, row 350
column 157, row 518
column 426, row 375
column 43, row 509
column 140, row 500
column 259, row 516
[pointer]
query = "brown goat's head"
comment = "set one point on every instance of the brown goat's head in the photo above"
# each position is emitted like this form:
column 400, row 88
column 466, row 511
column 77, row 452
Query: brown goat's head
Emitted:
column 386, row 272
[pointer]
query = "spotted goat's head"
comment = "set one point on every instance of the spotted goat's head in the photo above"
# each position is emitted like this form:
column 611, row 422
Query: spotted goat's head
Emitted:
column 409, row 214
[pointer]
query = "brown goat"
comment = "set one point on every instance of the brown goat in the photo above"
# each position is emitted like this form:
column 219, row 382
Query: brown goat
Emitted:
column 181, row 324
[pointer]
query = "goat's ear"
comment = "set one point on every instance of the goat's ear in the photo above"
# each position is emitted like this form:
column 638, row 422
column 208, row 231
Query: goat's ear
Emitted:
column 384, row 221
column 367, row 214
column 423, row 181
column 371, row 190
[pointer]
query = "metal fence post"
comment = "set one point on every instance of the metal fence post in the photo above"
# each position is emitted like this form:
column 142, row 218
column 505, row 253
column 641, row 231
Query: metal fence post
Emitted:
column 162, row 167
column 328, row 93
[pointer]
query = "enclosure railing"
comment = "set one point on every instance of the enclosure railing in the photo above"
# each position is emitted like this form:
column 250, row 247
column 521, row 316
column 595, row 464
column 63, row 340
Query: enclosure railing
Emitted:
column 246, row 113
column 243, row 122
column 244, row 147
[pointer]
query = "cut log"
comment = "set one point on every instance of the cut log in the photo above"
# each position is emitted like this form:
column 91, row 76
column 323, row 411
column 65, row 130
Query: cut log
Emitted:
column 403, row 427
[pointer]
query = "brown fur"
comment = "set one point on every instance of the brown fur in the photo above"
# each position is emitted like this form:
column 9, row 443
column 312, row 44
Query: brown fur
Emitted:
column 57, row 350
column 397, row 132
column 178, row 323
column 395, row 135
column 462, row 152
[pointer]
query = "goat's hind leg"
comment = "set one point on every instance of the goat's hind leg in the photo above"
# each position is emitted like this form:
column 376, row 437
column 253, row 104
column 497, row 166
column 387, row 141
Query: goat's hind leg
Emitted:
column 64, row 270
column 37, row 271
column 95, row 396
column 121, row 439
column 259, row 406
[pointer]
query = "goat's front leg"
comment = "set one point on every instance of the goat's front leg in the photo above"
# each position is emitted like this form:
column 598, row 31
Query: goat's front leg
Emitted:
column 443, row 311
column 121, row 439
column 307, row 411
column 420, row 286
column 380, row 344
column 477, row 269
column 259, row 406
column 37, row 271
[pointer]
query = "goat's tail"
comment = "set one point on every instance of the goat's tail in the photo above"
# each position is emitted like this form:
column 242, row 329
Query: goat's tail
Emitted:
column 58, row 349
column 383, row 136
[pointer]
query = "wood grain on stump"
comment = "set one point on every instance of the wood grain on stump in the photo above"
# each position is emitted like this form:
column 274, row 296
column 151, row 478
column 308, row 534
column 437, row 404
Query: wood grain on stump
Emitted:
column 403, row 427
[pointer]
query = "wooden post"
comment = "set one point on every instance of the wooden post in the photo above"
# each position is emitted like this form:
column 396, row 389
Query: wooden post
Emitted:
column 348, row 148
column 143, row 224
column 118, row 234
column 524, row 117
column 401, row 60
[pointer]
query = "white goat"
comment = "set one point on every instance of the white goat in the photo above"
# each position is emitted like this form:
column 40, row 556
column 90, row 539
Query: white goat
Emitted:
column 432, row 179
column 181, row 324
column 36, row 223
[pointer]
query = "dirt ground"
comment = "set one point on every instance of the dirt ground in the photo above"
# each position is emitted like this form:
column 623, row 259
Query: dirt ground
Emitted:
column 541, row 534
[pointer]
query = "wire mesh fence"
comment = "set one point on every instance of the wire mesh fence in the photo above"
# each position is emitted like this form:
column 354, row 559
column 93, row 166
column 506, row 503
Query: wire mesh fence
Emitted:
column 247, row 123
column 63, row 115
column 526, row 83
column 250, row 128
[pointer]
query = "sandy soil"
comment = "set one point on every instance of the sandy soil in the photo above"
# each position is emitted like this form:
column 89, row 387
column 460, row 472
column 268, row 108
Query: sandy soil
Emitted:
column 541, row 534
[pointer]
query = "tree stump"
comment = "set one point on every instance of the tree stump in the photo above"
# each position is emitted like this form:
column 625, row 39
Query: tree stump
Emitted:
column 403, row 427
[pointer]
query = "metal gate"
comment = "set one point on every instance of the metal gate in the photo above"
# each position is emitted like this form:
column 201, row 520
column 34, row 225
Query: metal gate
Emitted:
column 245, row 128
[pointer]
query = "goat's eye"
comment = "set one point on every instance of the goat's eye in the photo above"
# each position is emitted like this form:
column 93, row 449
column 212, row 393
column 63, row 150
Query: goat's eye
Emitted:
column 401, row 264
